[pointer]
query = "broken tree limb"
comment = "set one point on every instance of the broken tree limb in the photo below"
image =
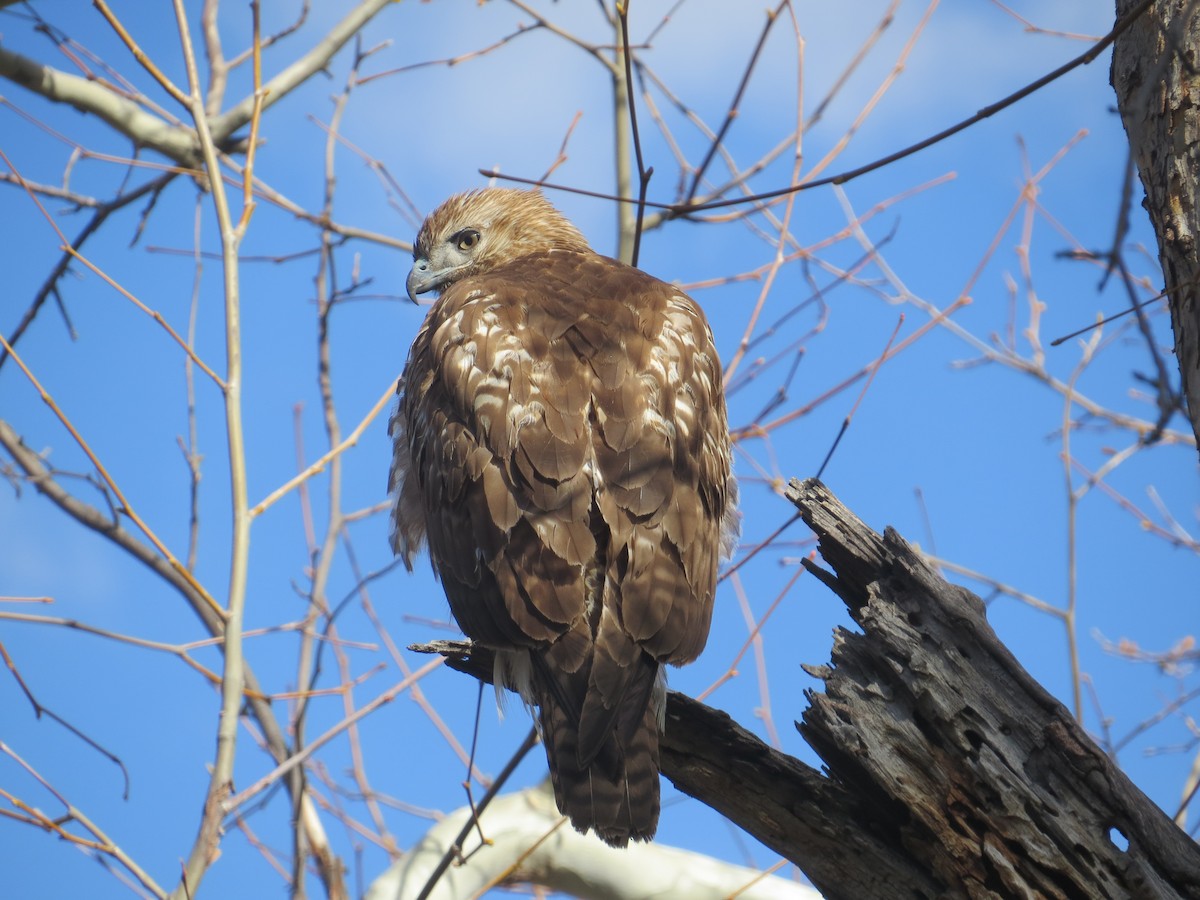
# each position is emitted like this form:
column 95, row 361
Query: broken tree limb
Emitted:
column 949, row 771
column 1005, row 794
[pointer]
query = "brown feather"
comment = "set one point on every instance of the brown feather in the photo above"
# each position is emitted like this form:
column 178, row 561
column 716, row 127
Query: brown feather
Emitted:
column 561, row 445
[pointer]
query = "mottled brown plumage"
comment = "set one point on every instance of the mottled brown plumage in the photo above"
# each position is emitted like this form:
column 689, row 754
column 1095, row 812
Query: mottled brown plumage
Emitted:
column 562, row 446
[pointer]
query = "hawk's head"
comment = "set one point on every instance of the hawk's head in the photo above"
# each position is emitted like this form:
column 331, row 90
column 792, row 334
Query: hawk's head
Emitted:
column 479, row 230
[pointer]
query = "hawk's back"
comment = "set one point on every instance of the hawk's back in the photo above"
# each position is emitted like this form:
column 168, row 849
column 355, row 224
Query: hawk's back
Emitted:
column 562, row 444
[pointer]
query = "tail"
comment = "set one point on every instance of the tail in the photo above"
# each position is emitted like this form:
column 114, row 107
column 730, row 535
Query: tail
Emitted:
column 605, row 772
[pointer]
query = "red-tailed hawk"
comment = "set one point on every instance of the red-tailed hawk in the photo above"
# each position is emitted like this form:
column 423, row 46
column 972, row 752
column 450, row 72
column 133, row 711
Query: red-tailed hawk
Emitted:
column 562, row 446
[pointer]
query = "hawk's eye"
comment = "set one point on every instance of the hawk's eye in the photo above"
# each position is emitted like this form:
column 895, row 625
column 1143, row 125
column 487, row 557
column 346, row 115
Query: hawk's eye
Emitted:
column 465, row 239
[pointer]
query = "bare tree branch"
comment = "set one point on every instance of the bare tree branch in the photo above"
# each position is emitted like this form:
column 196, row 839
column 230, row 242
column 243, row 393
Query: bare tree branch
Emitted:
column 529, row 841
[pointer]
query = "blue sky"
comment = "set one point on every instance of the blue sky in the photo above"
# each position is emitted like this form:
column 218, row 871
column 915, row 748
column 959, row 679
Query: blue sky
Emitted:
column 982, row 443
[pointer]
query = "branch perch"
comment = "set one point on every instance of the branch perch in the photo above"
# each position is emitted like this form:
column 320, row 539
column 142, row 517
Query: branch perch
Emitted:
column 949, row 771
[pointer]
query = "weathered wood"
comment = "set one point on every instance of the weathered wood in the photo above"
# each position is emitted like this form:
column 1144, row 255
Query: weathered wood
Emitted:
column 1007, row 796
column 949, row 771
column 845, row 840
column 1156, row 76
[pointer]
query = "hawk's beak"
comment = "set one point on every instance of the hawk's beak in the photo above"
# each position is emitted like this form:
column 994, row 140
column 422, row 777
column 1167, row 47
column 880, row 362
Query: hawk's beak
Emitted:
column 423, row 278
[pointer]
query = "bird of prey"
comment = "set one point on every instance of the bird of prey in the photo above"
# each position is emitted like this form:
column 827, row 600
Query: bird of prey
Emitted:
column 561, row 445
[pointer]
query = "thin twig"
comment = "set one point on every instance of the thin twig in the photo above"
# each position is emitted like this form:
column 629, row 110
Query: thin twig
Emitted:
column 146, row 62
column 39, row 709
column 456, row 847
column 229, row 805
column 101, row 843
column 674, row 209
column 125, row 506
column 719, row 138
column 853, row 409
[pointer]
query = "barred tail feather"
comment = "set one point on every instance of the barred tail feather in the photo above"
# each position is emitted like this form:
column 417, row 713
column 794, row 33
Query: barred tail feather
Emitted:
column 617, row 793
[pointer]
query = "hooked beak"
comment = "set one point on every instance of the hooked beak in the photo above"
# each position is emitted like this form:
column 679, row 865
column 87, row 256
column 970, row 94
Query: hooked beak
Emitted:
column 423, row 278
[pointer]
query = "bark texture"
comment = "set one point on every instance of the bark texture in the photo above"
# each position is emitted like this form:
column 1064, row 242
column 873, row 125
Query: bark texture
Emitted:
column 949, row 772
column 1156, row 77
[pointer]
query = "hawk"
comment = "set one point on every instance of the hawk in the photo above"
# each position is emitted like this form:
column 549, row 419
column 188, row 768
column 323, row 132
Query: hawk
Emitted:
column 561, row 445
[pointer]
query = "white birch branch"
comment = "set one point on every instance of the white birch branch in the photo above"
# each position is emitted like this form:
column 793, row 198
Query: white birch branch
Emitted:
column 527, row 844
column 176, row 142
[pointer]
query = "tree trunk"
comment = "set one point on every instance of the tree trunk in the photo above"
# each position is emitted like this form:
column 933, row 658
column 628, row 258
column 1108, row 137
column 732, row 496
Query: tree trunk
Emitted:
column 1157, row 80
column 949, row 771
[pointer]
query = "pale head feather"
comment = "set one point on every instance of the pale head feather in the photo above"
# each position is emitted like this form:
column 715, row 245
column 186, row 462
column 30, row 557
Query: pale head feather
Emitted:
column 511, row 223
